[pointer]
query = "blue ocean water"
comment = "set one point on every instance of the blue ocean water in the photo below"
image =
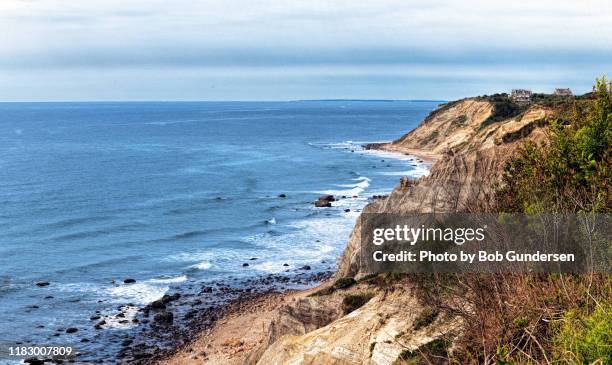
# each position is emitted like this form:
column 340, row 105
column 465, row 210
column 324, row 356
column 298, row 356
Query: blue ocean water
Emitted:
column 170, row 193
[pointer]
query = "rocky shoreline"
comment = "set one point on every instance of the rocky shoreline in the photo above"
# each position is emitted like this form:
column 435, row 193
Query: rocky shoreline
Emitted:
column 171, row 322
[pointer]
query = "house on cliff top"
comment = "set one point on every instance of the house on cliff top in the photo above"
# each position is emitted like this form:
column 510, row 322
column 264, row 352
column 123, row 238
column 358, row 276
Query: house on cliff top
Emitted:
column 563, row 92
column 521, row 95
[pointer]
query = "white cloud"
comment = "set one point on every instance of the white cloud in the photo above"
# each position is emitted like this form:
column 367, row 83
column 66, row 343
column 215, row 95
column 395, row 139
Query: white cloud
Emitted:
column 38, row 35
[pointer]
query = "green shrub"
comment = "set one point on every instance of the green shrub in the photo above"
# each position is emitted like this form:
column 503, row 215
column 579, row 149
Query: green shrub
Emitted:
column 585, row 339
column 572, row 172
column 521, row 322
column 325, row 291
column 368, row 278
column 355, row 301
column 503, row 108
column 344, row 283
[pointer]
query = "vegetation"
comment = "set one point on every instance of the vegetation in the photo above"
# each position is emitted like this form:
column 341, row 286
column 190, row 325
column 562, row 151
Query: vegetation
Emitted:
column 545, row 318
column 503, row 108
column 355, row 301
column 570, row 173
column 344, row 283
column 540, row 318
column 425, row 318
column 584, row 338
column 434, row 352
column 431, row 137
column 460, row 120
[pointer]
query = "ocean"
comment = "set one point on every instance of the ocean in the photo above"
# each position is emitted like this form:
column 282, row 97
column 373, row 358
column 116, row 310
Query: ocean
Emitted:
column 176, row 193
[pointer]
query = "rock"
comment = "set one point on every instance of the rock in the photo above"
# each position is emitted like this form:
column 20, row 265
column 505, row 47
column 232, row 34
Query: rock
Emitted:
column 84, row 340
column 158, row 304
column 49, row 297
column 129, row 281
column 94, row 318
column 245, row 265
column 253, row 258
column 327, row 197
column 170, row 298
column 322, row 204
column 305, row 267
column 72, row 330
column 207, row 289
column 164, row 317
column 347, row 210
column 42, row 283
column 324, row 201
column 285, row 264
column 282, row 195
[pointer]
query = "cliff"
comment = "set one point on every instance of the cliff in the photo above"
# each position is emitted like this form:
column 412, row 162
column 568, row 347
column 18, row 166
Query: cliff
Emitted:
column 470, row 141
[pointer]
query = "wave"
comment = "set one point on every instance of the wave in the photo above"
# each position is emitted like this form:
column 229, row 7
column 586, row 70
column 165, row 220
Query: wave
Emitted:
column 144, row 292
column 98, row 232
column 353, row 189
column 204, row 265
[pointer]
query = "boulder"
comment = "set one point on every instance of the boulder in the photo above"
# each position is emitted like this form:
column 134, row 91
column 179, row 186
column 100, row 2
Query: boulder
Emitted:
column 158, row 304
column 164, row 317
column 322, row 204
column 324, row 201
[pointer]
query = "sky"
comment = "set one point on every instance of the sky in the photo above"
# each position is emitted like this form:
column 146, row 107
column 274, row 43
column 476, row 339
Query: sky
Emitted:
column 60, row 50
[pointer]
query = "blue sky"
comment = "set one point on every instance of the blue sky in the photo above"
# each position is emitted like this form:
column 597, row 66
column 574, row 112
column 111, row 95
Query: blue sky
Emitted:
column 286, row 50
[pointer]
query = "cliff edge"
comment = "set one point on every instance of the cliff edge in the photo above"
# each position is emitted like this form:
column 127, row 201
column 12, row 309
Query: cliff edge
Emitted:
column 470, row 140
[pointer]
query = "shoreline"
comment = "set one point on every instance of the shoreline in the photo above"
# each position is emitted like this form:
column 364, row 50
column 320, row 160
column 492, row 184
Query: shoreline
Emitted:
column 173, row 322
column 426, row 156
column 241, row 328
column 243, row 325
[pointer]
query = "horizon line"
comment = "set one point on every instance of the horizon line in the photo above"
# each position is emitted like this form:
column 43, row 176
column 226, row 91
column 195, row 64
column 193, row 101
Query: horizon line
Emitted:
column 220, row 101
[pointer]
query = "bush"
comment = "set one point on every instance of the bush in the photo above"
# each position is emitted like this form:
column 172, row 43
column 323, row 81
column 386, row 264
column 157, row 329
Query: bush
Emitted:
column 344, row 283
column 572, row 172
column 503, row 108
column 355, row 301
column 585, row 339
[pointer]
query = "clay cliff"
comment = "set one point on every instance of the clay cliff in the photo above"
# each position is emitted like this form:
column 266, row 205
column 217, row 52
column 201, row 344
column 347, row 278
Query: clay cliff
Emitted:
column 470, row 141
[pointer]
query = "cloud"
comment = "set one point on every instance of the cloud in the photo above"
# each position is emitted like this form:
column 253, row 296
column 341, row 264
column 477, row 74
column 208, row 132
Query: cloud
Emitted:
column 121, row 36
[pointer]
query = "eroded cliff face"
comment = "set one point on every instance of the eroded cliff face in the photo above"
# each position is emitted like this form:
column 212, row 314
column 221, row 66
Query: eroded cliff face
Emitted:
column 470, row 153
column 376, row 333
